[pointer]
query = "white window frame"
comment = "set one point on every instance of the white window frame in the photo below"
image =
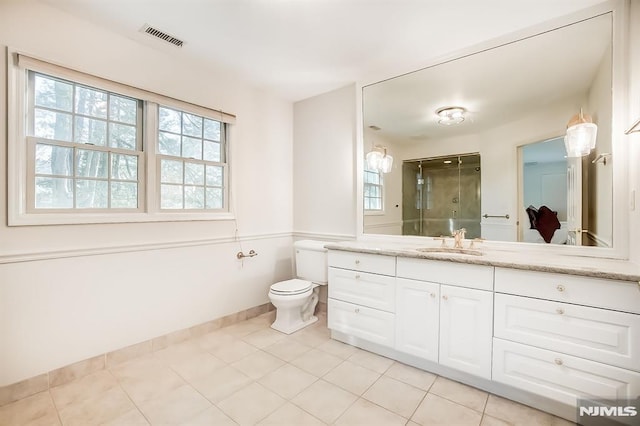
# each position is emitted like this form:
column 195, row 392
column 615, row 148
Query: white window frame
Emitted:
column 374, row 212
column 20, row 149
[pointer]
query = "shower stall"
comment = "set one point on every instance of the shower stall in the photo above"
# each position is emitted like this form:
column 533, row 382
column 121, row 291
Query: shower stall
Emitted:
column 440, row 195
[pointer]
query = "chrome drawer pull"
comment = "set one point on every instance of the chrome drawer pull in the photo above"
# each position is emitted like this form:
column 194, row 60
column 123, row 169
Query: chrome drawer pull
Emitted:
column 445, row 297
column 560, row 311
column 558, row 361
column 560, row 288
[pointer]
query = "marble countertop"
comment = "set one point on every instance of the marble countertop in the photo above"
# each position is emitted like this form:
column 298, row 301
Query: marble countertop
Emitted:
column 613, row 269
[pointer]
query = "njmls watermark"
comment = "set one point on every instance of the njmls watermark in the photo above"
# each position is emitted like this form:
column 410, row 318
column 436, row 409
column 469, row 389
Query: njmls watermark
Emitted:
column 604, row 412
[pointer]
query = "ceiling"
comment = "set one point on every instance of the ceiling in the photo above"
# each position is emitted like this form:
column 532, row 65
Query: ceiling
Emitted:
column 496, row 86
column 301, row 48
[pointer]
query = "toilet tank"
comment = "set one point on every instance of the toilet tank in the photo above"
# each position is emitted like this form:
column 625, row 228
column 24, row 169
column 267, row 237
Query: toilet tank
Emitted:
column 311, row 261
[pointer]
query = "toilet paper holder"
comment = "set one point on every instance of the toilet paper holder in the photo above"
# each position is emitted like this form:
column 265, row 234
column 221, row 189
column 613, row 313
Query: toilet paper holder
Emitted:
column 241, row 255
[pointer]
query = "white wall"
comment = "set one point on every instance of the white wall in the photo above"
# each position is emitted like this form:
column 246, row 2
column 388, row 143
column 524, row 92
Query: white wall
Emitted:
column 389, row 222
column 634, row 139
column 324, row 200
column 63, row 306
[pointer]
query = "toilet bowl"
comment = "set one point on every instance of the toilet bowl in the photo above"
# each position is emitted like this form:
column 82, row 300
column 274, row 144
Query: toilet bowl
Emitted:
column 295, row 302
column 296, row 299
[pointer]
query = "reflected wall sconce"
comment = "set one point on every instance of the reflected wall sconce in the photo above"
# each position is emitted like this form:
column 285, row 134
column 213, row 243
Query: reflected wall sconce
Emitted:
column 448, row 116
column 379, row 160
column 581, row 135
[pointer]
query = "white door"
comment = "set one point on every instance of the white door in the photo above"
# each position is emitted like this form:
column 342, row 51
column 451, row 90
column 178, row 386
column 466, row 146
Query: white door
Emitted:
column 574, row 201
column 466, row 317
column 417, row 318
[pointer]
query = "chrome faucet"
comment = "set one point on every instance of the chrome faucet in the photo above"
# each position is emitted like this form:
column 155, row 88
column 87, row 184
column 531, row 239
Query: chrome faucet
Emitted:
column 458, row 236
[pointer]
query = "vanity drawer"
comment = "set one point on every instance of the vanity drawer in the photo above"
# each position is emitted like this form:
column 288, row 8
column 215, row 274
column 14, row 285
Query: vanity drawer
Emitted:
column 597, row 334
column 372, row 290
column 374, row 263
column 601, row 293
column 560, row 377
column 452, row 273
column 369, row 324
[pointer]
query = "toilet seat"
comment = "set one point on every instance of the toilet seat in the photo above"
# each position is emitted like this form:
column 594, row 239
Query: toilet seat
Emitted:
column 291, row 287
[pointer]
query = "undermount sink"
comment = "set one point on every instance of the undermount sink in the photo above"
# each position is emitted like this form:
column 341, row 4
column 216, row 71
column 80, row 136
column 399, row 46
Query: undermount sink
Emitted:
column 450, row 250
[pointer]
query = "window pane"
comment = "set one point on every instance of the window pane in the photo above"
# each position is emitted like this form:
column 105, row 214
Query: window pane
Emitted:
column 214, row 176
column 124, row 195
column 53, row 93
column 171, row 171
column 192, row 125
column 54, row 160
column 169, row 144
column 375, row 191
column 124, row 167
column 191, row 148
column 90, row 131
column 122, row 109
column 54, row 193
column 194, row 174
column 367, row 204
column 211, row 129
column 193, row 197
column 171, row 196
column 214, row 198
column 169, row 120
column 91, row 102
column 212, row 151
column 91, row 164
column 91, row 194
column 122, row 136
column 52, row 125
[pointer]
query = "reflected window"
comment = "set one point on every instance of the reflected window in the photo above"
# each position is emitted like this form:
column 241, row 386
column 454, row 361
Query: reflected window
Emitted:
column 373, row 190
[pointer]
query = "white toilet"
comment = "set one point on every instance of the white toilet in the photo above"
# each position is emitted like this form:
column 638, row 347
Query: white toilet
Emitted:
column 295, row 300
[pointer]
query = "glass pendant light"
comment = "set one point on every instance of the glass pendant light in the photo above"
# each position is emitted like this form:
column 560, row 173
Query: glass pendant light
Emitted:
column 581, row 135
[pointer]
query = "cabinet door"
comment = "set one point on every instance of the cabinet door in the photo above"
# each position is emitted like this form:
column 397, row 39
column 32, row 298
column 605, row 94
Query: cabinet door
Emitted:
column 466, row 317
column 362, row 322
column 417, row 318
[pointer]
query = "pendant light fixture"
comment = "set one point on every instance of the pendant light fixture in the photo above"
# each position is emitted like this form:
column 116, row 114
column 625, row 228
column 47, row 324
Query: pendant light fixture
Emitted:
column 581, row 135
column 379, row 160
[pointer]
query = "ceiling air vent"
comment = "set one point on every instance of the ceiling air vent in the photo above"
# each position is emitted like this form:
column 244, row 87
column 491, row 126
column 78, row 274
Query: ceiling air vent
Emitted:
column 162, row 35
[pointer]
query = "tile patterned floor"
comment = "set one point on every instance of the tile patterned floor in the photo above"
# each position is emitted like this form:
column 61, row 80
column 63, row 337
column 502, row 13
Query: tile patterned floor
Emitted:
column 249, row 374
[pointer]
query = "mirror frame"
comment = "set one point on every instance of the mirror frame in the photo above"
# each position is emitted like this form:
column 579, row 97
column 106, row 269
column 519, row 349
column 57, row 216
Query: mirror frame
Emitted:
column 620, row 163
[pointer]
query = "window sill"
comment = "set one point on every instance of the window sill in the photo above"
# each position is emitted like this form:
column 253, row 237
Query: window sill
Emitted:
column 38, row 219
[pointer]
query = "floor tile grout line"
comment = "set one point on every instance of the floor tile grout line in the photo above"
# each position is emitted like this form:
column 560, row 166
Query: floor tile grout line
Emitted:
column 55, row 406
column 129, row 396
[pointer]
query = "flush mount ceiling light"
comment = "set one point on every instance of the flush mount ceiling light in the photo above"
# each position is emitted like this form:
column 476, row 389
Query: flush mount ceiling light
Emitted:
column 449, row 116
column 581, row 135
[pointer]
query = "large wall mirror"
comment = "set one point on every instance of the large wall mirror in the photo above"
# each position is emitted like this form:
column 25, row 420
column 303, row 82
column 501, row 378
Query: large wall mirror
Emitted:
column 498, row 167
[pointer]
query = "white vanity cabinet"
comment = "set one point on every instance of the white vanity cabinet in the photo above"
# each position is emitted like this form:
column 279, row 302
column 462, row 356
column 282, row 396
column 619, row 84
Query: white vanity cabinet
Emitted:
column 444, row 313
column 362, row 296
column 557, row 335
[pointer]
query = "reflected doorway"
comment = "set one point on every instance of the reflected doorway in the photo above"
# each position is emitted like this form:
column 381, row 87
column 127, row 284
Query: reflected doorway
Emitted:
column 440, row 195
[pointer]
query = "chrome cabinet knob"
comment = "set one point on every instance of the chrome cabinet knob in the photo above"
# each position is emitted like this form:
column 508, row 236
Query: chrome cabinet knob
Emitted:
column 558, row 361
column 560, row 311
column 560, row 288
column 357, row 276
column 357, row 310
column 445, row 297
column 433, row 295
column 357, row 262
